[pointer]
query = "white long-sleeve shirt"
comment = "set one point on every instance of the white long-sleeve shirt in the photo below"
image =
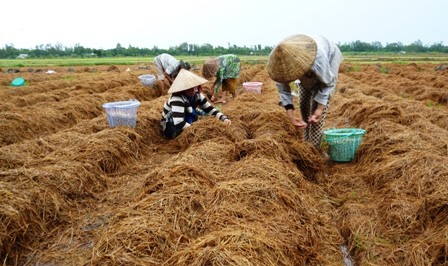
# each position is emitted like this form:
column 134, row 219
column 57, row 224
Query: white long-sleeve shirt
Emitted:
column 165, row 63
column 325, row 67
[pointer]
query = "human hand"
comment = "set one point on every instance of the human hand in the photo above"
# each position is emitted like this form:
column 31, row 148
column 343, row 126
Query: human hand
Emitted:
column 299, row 123
column 227, row 122
column 316, row 117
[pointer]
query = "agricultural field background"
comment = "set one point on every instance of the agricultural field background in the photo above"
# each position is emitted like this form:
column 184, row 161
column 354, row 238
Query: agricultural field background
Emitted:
column 358, row 58
column 74, row 191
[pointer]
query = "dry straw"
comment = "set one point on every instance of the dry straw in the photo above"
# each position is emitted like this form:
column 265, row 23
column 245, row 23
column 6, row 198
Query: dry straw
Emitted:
column 209, row 128
column 393, row 211
column 254, row 193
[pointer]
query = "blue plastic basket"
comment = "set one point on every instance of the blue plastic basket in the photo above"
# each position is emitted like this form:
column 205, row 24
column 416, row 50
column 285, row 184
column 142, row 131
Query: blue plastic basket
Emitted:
column 122, row 113
column 343, row 143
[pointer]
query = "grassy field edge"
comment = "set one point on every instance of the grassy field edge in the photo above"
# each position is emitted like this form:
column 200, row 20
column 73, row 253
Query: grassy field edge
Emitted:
column 349, row 58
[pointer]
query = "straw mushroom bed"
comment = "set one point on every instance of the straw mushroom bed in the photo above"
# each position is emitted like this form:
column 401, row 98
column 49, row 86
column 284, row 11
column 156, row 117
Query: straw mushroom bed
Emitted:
column 75, row 192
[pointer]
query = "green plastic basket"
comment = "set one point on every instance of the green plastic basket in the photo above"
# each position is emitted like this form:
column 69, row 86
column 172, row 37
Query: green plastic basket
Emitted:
column 343, row 143
column 18, row 82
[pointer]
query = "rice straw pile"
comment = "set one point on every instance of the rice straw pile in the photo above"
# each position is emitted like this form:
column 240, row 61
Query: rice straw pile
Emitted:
column 75, row 192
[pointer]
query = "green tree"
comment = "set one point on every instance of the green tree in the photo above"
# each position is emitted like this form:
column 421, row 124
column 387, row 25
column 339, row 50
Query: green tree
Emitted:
column 415, row 47
column 119, row 50
column 394, row 47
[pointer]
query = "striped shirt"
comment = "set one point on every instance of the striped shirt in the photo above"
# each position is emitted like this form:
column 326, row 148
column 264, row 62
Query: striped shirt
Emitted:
column 180, row 106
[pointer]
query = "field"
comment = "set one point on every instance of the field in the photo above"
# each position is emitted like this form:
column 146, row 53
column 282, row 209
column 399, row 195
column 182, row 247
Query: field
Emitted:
column 74, row 191
column 359, row 58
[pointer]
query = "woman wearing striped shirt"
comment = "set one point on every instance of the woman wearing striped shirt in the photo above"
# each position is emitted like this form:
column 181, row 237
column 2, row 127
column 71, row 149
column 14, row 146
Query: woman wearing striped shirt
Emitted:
column 184, row 104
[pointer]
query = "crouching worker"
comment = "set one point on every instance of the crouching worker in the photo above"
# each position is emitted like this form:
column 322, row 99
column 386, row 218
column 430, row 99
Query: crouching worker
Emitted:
column 184, row 104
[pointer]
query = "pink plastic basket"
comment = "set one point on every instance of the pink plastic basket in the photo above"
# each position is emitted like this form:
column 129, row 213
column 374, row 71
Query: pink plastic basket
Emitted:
column 253, row 86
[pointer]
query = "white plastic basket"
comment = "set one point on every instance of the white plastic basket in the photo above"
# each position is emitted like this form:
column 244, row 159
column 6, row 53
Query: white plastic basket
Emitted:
column 147, row 79
column 253, row 86
column 122, row 113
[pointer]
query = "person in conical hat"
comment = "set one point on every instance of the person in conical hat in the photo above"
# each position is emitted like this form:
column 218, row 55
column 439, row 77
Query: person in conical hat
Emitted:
column 226, row 68
column 167, row 66
column 312, row 63
column 186, row 103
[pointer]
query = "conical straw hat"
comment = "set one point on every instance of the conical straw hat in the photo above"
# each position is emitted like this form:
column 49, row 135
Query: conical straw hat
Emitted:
column 291, row 58
column 186, row 80
column 210, row 68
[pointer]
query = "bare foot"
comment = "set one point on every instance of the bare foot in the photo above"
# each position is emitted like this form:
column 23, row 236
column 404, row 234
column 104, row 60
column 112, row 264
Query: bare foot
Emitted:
column 221, row 101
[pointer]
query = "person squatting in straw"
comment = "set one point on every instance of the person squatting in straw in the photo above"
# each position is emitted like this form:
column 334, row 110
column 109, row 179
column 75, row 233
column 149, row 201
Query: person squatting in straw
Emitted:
column 314, row 61
column 167, row 66
column 182, row 108
column 226, row 69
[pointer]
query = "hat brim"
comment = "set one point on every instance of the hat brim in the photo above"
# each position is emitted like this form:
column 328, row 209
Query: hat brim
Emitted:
column 186, row 80
column 210, row 68
column 291, row 58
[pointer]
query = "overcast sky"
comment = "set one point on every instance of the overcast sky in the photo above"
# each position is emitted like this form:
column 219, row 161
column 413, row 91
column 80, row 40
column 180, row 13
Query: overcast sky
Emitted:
column 166, row 23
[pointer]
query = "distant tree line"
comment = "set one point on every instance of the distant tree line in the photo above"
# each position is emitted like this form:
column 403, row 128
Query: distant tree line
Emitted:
column 58, row 50
column 396, row 47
